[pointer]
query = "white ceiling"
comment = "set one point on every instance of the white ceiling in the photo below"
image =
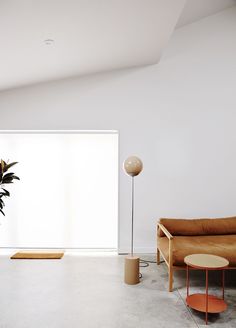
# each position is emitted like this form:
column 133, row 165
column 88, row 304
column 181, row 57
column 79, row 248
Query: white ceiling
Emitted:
column 197, row 9
column 89, row 35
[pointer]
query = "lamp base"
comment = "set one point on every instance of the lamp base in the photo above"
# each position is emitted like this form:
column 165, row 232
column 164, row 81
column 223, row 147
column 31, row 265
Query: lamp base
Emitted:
column 131, row 270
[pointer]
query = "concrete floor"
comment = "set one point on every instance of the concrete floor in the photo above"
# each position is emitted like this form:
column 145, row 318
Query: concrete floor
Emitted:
column 88, row 292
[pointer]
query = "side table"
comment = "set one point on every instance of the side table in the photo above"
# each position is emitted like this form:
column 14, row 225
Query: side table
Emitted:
column 205, row 302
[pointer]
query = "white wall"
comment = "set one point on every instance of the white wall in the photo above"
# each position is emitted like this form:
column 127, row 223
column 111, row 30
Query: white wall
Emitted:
column 178, row 116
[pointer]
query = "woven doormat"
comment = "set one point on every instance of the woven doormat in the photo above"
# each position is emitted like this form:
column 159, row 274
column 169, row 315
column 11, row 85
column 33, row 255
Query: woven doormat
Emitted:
column 37, row 256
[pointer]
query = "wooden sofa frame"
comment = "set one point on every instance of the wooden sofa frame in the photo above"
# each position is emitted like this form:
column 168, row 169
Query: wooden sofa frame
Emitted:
column 169, row 263
column 159, row 253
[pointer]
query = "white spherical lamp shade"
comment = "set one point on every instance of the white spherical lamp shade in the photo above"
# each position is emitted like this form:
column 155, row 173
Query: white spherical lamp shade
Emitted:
column 133, row 166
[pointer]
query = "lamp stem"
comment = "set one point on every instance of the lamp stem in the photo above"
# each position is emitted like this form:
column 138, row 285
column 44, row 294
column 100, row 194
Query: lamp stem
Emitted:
column 132, row 215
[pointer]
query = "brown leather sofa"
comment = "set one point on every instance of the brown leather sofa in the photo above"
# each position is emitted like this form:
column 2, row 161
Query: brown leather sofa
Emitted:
column 177, row 238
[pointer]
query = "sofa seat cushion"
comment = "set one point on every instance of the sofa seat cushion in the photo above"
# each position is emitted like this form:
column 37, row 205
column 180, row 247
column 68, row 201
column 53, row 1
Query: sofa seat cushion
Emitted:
column 221, row 245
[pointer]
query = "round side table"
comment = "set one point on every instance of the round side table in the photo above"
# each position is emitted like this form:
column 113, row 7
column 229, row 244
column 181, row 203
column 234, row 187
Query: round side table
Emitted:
column 205, row 302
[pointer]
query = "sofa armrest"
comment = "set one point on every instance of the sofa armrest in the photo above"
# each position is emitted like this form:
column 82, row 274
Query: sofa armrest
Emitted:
column 169, row 262
column 166, row 232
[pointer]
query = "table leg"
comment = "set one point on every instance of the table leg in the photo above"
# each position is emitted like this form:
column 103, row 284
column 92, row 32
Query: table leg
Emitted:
column 223, row 284
column 187, row 280
column 206, row 296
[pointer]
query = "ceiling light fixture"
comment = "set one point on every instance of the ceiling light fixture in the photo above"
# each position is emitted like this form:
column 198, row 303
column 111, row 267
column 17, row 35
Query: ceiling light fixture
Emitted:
column 49, row 42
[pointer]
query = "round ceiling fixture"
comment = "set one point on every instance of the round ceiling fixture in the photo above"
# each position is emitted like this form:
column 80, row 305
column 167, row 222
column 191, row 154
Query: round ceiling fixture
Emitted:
column 49, row 42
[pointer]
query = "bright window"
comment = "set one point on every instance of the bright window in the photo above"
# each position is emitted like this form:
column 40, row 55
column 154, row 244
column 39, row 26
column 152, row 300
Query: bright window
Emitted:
column 68, row 193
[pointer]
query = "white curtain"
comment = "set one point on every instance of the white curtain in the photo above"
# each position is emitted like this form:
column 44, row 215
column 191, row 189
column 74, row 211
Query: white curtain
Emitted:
column 67, row 195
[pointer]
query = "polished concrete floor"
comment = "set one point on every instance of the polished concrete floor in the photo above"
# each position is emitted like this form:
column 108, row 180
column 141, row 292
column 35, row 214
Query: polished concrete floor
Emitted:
column 87, row 291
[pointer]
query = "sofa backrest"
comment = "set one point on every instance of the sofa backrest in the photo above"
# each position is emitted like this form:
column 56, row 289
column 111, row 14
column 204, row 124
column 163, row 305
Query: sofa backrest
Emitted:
column 199, row 227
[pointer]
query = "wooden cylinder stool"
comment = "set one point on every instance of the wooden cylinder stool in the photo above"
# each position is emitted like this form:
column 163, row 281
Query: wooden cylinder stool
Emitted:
column 131, row 270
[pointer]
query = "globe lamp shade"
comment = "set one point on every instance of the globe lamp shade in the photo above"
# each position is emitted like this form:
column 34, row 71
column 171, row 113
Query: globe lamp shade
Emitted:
column 133, row 166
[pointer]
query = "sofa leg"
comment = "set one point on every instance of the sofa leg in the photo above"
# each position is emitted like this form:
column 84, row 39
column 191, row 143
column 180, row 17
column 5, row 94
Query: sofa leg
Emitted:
column 170, row 279
column 158, row 257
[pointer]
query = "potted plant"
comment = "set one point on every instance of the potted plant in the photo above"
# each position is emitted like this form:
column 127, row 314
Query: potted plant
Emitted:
column 5, row 178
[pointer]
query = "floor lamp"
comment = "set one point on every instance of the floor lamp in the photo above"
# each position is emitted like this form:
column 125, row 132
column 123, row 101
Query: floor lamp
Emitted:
column 132, row 166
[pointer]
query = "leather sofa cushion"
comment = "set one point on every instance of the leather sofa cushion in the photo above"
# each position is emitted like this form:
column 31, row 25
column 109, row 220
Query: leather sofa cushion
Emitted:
column 220, row 245
column 199, row 227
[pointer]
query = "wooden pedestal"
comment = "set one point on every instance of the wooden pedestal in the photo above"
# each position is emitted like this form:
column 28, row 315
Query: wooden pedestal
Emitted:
column 131, row 270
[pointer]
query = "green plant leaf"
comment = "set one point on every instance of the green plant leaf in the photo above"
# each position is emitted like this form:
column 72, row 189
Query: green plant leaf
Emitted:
column 7, row 166
column 8, row 175
column 2, row 165
column 15, row 177
column 6, row 192
column 7, row 180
